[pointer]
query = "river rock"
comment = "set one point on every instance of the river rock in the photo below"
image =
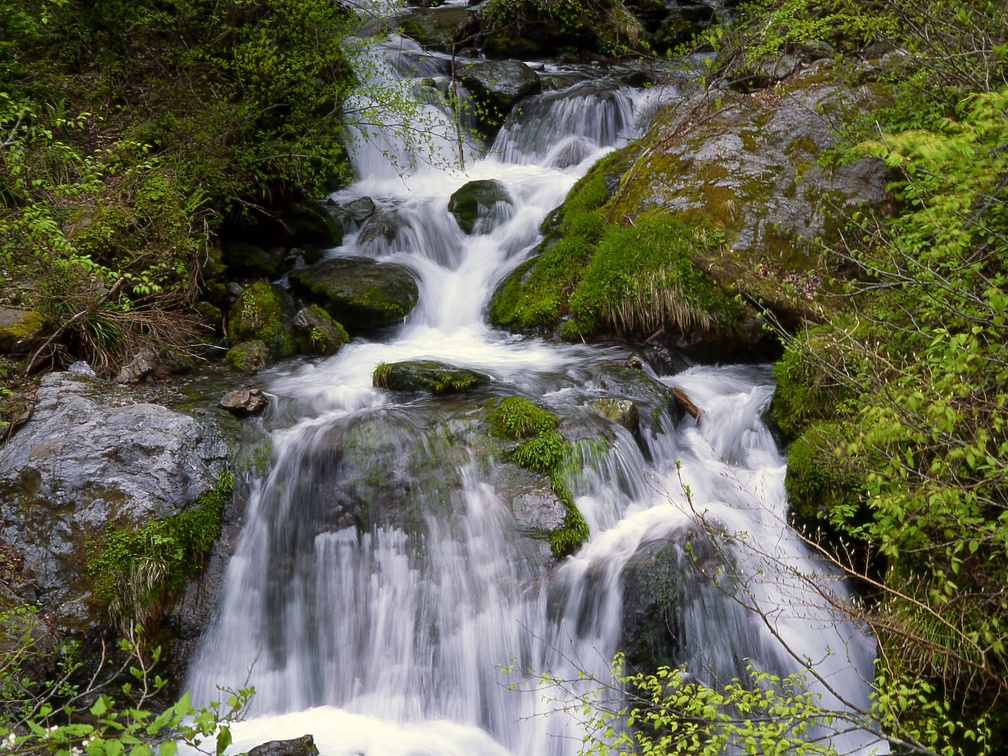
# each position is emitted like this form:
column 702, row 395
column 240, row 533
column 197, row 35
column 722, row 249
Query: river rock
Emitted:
column 441, row 28
column 303, row 746
column 497, row 86
column 381, row 230
column 244, row 401
column 18, row 329
column 142, row 365
column 310, row 223
column 352, row 213
column 317, row 333
column 433, row 377
column 358, row 292
column 478, row 206
column 82, row 465
column 263, row 312
column 619, row 411
column 248, row 356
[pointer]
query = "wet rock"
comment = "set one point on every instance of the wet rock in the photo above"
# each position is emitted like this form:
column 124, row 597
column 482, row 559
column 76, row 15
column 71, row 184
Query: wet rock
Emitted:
column 478, row 206
column 619, row 411
column 358, row 292
column 248, row 356
column 244, row 401
column 82, row 465
column 317, row 333
column 497, row 86
column 142, row 365
column 436, row 378
column 440, row 29
column 303, row 746
column 381, row 229
column 263, row 312
column 354, row 212
column 18, row 329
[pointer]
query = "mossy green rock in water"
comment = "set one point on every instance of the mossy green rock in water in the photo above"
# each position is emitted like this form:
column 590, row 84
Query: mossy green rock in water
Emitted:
column 438, row 28
column 317, row 333
column 358, row 292
column 428, row 376
column 478, row 206
column 264, row 312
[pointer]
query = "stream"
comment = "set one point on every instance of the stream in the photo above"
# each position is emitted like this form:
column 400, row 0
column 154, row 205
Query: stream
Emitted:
column 385, row 580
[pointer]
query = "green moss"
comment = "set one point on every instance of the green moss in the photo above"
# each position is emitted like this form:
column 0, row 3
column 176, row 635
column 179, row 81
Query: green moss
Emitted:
column 542, row 453
column 804, row 392
column 263, row 312
column 136, row 571
column 436, row 378
column 515, row 418
column 820, row 487
column 568, row 538
column 248, row 356
column 642, row 278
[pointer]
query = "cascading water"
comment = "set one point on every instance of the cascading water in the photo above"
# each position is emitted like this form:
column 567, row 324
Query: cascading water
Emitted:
column 385, row 638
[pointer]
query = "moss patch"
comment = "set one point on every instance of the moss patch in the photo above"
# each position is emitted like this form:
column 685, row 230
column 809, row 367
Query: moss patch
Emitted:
column 433, row 377
column 545, row 451
column 263, row 312
column 136, row 571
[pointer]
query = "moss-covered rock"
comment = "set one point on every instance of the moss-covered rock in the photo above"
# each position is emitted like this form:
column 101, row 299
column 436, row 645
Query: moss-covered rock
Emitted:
column 18, row 329
column 620, row 411
column 725, row 195
column 264, row 312
column 428, row 376
column 317, row 333
column 248, row 356
column 358, row 292
column 478, row 206
column 497, row 86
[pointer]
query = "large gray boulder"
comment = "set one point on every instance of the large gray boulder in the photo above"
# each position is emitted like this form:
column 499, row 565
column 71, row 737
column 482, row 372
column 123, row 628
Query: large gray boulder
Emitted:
column 439, row 28
column 358, row 292
column 83, row 464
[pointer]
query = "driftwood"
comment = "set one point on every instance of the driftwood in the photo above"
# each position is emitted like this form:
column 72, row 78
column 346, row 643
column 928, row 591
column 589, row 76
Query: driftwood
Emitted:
column 685, row 404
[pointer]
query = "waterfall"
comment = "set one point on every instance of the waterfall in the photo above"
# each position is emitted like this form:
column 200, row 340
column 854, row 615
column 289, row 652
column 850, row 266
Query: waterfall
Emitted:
column 389, row 638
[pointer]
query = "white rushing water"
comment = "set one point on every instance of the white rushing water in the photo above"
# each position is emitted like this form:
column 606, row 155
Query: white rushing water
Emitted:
column 389, row 641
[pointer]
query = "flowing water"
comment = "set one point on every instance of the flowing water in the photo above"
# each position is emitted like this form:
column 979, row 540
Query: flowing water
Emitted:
column 389, row 637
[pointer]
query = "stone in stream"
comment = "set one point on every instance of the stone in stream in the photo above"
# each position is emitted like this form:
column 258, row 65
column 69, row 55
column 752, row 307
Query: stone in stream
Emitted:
column 497, row 86
column 317, row 333
column 358, row 292
column 248, row 356
column 619, row 411
column 433, row 377
column 83, row 464
column 478, row 206
column 303, row 746
column 244, row 401
column 142, row 365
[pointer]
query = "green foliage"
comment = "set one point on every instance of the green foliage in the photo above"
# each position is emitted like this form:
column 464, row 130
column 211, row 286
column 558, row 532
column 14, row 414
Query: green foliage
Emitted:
column 61, row 718
column 516, row 417
column 920, row 355
column 136, row 571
